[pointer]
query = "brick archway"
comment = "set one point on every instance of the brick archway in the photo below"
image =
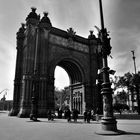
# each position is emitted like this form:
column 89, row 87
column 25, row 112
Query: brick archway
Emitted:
column 77, row 77
column 73, row 68
column 42, row 47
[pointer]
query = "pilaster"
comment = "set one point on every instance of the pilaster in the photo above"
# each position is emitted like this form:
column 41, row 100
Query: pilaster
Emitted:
column 25, row 104
column 50, row 92
column 88, row 98
column 18, row 72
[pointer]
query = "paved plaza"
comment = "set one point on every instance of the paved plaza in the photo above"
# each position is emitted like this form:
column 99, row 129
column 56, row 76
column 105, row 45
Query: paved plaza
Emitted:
column 13, row 128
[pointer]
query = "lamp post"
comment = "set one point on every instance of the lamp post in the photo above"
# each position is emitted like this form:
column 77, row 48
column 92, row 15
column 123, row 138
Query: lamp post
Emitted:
column 108, row 121
column 136, row 81
column 132, row 96
column 133, row 53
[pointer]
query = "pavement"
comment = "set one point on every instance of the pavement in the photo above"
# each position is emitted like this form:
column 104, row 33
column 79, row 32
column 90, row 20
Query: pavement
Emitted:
column 14, row 128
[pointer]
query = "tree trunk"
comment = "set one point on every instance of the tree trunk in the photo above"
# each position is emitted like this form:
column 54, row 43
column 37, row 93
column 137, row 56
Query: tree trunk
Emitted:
column 138, row 99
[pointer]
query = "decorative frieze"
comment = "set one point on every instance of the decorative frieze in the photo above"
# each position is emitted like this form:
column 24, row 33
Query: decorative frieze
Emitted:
column 68, row 43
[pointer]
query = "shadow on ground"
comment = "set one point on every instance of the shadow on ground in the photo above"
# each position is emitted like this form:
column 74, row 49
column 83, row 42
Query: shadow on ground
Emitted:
column 59, row 121
column 4, row 112
column 131, row 133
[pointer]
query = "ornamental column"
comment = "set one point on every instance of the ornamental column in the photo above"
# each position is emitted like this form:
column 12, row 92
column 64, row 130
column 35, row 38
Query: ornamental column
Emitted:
column 50, row 92
column 18, row 71
column 45, row 28
column 31, row 33
column 108, row 122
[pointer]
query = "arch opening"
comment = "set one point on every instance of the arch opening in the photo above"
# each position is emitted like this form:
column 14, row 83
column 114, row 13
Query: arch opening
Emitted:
column 61, row 78
column 69, row 78
column 73, row 71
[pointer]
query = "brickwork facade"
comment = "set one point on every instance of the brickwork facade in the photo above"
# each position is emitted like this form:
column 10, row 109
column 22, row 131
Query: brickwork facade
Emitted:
column 41, row 47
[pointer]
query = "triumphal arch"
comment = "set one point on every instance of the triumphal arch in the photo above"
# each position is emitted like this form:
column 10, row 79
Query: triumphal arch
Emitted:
column 40, row 48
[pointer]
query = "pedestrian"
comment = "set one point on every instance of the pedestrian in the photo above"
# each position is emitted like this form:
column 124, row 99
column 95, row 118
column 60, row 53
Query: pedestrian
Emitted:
column 52, row 115
column 85, row 116
column 75, row 113
column 49, row 115
column 88, row 116
column 68, row 114
column 97, row 114
column 65, row 114
column 60, row 113
column 92, row 115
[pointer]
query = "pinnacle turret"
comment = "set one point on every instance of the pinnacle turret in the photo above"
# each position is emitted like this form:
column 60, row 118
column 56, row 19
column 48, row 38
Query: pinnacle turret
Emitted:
column 32, row 14
column 45, row 19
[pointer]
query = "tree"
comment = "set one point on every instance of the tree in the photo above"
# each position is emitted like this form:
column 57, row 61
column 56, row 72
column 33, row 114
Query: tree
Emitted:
column 60, row 97
column 114, row 80
column 125, row 82
column 132, row 83
column 118, row 107
column 135, row 80
column 121, row 97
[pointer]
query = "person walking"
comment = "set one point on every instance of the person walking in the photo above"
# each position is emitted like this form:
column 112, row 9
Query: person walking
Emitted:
column 97, row 114
column 92, row 115
column 60, row 113
column 68, row 114
column 49, row 115
column 85, row 116
column 88, row 116
column 75, row 113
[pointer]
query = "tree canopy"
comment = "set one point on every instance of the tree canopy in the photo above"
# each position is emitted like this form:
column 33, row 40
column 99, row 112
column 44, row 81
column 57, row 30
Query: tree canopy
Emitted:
column 128, row 81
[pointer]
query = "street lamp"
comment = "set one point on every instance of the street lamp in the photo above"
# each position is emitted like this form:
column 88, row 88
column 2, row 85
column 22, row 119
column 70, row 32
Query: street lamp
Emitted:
column 108, row 121
column 133, row 53
column 132, row 94
column 136, row 80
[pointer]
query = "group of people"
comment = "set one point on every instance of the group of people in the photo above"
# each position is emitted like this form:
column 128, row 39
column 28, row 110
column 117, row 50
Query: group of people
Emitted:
column 88, row 115
column 69, row 115
column 51, row 115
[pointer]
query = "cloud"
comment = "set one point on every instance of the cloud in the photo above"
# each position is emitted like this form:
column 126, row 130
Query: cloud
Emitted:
column 7, row 64
column 78, row 14
column 121, row 19
column 124, row 41
column 123, row 22
column 128, row 14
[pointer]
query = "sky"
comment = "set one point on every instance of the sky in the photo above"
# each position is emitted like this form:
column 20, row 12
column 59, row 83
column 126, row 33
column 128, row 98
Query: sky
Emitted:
column 121, row 18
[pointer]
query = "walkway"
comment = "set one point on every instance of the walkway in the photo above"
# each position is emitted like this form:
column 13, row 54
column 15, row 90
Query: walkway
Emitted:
column 13, row 128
